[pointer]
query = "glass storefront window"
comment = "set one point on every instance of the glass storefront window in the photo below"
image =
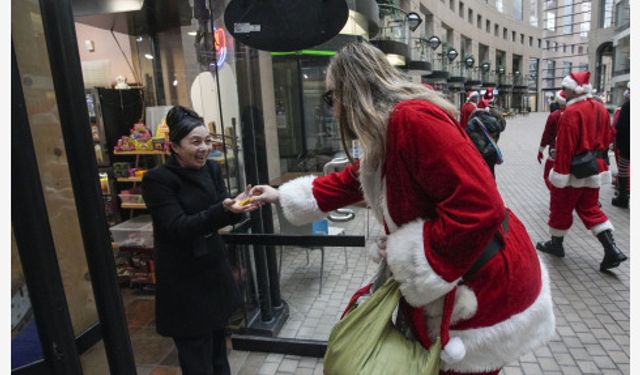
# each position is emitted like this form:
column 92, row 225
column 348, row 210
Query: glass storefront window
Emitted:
column 622, row 57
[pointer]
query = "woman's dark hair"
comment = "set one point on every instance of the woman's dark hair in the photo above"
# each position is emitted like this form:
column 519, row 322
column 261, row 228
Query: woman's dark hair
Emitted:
column 181, row 121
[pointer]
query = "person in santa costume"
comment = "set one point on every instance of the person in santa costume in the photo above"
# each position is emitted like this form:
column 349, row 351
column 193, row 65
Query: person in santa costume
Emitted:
column 549, row 136
column 487, row 99
column 469, row 107
column 458, row 254
column 583, row 127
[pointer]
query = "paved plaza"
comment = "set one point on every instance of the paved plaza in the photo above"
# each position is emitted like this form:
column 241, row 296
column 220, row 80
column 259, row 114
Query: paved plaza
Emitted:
column 592, row 308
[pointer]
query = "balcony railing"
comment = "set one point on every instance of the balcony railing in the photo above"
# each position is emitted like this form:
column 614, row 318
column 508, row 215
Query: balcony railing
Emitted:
column 394, row 25
column 488, row 77
column 473, row 74
column 505, row 80
column 456, row 69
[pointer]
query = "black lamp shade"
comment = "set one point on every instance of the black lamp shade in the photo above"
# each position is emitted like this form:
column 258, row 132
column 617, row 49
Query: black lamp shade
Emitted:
column 469, row 61
column 434, row 42
column 414, row 20
column 452, row 54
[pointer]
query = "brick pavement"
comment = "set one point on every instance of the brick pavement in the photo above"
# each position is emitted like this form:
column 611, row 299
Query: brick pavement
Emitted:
column 592, row 308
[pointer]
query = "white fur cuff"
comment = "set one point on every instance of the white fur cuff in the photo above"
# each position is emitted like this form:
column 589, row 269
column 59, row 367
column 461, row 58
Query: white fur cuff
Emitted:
column 298, row 203
column 558, row 180
column 541, row 148
column 598, row 228
column 419, row 283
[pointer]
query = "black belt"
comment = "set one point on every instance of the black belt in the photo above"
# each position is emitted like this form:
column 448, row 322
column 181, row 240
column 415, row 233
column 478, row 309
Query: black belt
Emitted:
column 602, row 154
column 492, row 248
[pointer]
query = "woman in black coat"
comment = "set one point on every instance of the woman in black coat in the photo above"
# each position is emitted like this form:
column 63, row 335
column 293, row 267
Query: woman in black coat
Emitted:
column 195, row 290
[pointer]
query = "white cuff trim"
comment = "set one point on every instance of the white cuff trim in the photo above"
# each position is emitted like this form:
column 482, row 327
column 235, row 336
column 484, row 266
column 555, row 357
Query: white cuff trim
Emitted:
column 599, row 228
column 419, row 283
column 541, row 148
column 298, row 203
column 558, row 232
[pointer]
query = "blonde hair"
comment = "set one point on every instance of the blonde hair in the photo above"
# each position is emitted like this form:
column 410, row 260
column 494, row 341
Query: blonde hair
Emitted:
column 366, row 87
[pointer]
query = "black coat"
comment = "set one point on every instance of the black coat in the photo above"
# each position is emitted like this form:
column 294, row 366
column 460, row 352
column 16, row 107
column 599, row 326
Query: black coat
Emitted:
column 623, row 138
column 195, row 291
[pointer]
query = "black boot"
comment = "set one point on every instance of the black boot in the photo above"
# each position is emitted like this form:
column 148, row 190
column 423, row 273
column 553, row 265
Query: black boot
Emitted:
column 622, row 200
column 553, row 247
column 612, row 255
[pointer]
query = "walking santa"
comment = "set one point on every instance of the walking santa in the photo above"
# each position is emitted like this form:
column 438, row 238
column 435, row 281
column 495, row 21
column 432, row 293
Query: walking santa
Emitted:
column 549, row 136
column 583, row 127
column 487, row 99
column 469, row 107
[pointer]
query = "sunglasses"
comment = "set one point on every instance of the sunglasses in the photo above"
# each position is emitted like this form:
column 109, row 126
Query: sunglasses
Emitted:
column 328, row 98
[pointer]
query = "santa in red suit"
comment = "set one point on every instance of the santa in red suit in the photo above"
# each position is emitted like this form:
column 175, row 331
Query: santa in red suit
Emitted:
column 469, row 107
column 549, row 136
column 455, row 249
column 584, row 127
column 487, row 99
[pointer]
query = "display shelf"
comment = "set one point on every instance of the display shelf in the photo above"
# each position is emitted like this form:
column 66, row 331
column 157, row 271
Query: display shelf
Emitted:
column 134, row 206
column 154, row 152
column 129, row 179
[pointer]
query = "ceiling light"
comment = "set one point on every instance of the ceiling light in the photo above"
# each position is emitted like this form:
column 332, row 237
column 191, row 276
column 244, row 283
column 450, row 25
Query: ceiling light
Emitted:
column 148, row 56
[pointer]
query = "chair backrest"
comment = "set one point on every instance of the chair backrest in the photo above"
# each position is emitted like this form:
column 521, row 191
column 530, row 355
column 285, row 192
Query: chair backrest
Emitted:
column 287, row 228
column 335, row 165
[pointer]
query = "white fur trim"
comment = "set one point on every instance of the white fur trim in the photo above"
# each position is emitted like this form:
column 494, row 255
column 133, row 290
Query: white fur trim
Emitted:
column 298, row 203
column 419, row 283
column 558, row 232
column 490, row 348
column 578, row 99
column 560, row 99
column 558, row 180
column 598, row 228
column 569, row 83
column 541, row 148
column 454, row 351
column 563, row 180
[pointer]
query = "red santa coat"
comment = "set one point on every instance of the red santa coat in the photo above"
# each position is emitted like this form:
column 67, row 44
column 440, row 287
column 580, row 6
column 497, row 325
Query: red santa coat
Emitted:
column 549, row 139
column 465, row 113
column 440, row 207
column 579, row 131
column 484, row 103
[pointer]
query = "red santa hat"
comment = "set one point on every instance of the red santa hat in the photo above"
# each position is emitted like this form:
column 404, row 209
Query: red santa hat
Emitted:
column 578, row 82
column 489, row 93
column 561, row 98
column 473, row 94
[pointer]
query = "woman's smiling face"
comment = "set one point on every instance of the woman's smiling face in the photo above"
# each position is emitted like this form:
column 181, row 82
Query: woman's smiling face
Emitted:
column 193, row 150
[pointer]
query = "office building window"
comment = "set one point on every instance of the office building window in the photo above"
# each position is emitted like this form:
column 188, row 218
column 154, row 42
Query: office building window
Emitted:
column 470, row 16
column 533, row 13
column 566, row 68
column 564, row 48
column 500, row 6
column 517, row 9
column 584, row 29
column 539, row 43
column 580, row 50
column 452, row 5
column 521, row 38
column 488, row 26
column 530, row 41
column 479, row 21
column 496, row 30
column 606, row 13
column 504, row 33
column 550, row 21
column 567, row 18
column 461, row 10
column 513, row 36
column 548, row 43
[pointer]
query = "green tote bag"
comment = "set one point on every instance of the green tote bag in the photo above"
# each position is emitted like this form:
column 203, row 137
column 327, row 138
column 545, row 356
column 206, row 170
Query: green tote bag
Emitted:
column 365, row 342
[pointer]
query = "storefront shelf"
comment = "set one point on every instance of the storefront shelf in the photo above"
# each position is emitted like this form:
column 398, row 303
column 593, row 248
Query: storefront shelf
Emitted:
column 134, row 206
column 129, row 179
column 140, row 153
